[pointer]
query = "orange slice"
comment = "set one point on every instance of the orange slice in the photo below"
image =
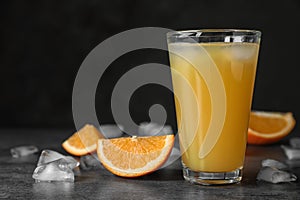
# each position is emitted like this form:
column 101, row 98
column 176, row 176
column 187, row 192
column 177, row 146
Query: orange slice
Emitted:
column 83, row 141
column 134, row 156
column 269, row 127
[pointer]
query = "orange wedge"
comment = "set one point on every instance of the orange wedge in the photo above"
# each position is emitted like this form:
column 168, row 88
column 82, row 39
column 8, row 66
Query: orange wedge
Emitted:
column 134, row 156
column 269, row 127
column 83, row 141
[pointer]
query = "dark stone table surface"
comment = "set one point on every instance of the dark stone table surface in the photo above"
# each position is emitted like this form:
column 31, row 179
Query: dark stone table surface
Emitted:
column 16, row 181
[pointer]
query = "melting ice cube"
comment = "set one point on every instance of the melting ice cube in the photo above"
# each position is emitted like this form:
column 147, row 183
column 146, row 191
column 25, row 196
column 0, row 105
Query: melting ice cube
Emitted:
column 20, row 151
column 242, row 52
column 150, row 129
column 273, row 163
column 295, row 142
column 48, row 156
column 274, row 175
column 90, row 162
column 291, row 153
column 57, row 170
column 111, row 130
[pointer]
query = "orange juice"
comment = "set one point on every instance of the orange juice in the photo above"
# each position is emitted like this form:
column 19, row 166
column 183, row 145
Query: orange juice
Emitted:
column 235, row 66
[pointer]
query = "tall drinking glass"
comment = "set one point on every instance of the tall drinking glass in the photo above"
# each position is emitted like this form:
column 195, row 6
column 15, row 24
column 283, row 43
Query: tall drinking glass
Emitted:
column 213, row 73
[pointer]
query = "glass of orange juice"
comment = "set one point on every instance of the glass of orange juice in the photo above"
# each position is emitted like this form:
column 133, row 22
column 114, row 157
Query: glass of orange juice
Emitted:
column 213, row 73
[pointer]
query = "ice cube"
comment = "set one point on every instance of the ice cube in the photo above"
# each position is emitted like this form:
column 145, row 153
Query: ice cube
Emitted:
column 295, row 142
column 291, row 153
column 57, row 170
column 20, row 151
column 242, row 52
column 273, row 175
column 273, row 163
column 48, row 156
column 90, row 162
column 111, row 130
column 150, row 129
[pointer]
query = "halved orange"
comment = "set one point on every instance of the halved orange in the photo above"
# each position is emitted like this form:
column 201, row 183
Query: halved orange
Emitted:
column 83, row 141
column 134, row 156
column 269, row 127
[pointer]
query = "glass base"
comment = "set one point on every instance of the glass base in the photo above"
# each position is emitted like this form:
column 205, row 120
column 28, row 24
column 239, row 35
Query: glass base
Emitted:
column 212, row 178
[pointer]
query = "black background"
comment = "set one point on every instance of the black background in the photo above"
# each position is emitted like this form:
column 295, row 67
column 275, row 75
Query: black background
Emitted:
column 44, row 42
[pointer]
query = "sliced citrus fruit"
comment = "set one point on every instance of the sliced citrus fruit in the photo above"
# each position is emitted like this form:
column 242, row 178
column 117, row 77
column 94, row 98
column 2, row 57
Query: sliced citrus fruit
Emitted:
column 269, row 127
column 134, row 156
column 83, row 141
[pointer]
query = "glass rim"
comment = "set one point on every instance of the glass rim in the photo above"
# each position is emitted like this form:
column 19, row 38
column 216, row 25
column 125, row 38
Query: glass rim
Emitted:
column 216, row 32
